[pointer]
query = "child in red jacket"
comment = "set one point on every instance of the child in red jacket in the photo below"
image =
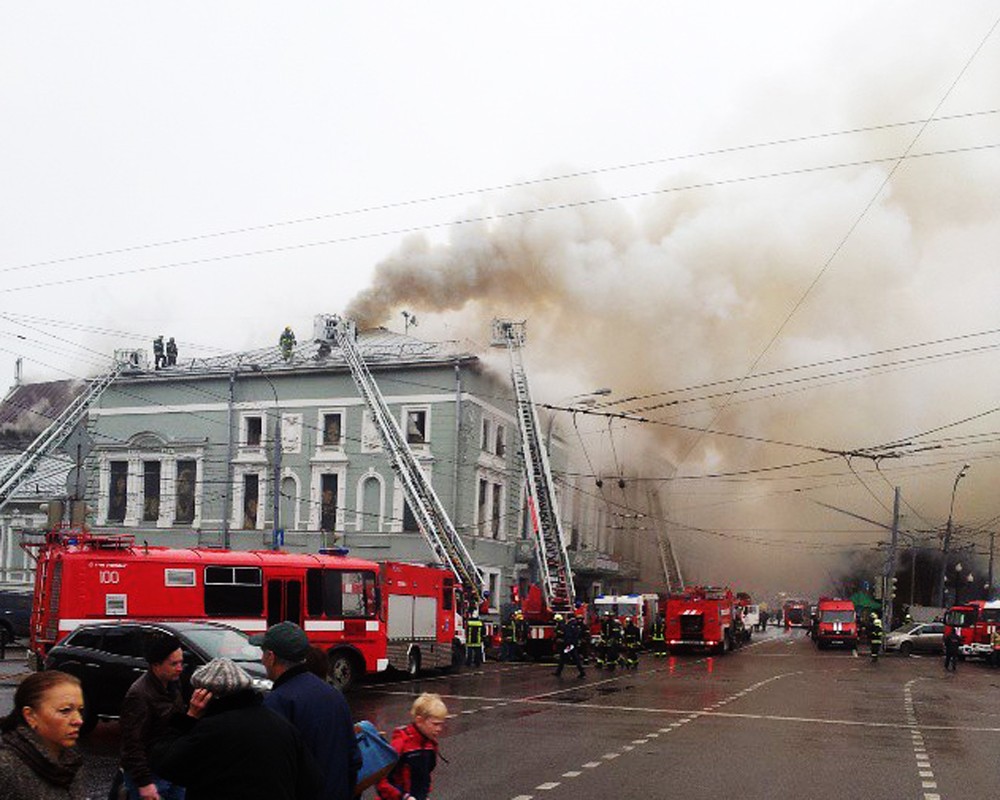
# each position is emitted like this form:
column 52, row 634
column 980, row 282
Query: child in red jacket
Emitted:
column 417, row 746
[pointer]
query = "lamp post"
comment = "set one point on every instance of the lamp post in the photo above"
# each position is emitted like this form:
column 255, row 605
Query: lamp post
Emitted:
column 276, row 479
column 947, row 533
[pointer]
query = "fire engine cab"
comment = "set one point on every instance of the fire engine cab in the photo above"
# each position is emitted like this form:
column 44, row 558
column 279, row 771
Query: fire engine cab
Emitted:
column 336, row 599
column 976, row 622
column 642, row 608
column 701, row 617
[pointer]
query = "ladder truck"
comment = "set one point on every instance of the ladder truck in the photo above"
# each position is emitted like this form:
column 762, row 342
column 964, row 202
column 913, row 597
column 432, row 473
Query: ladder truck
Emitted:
column 435, row 525
column 555, row 572
column 59, row 430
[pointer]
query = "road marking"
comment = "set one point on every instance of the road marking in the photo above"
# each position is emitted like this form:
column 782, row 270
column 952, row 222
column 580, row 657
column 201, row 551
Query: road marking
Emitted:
column 924, row 770
column 546, row 786
column 610, row 756
column 592, row 764
column 523, row 797
column 572, row 774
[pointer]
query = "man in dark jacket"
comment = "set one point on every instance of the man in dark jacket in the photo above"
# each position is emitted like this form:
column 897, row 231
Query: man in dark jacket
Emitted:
column 229, row 747
column 952, row 648
column 317, row 709
column 572, row 633
column 146, row 711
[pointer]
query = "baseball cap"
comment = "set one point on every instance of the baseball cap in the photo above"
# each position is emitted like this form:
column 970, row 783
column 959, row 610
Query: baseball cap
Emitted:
column 285, row 639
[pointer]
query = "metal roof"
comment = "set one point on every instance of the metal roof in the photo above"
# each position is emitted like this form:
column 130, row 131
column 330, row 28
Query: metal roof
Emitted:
column 29, row 409
column 379, row 348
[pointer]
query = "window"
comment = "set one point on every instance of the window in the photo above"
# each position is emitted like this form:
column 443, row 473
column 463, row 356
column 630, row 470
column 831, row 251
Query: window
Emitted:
column 484, row 440
column 123, row 641
column 118, row 491
column 89, row 639
column 187, row 471
column 150, row 491
column 328, row 502
column 251, row 495
column 484, row 489
column 254, row 430
column 416, row 427
column 409, row 519
column 178, row 577
column 341, row 593
column 233, row 591
column 501, row 441
column 497, row 511
column 331, row 430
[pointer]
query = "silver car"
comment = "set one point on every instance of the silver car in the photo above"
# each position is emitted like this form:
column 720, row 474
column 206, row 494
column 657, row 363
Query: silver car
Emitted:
column 916, row 637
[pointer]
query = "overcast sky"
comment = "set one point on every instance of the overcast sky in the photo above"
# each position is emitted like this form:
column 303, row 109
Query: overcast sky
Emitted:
column 215, row 171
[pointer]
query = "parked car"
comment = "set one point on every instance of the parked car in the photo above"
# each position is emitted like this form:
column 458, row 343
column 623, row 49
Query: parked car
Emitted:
column 108, row 657
column 918, row 637
column 15, row 613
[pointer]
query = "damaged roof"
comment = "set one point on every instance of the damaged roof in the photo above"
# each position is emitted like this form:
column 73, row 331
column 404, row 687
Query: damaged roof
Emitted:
column 378, row 347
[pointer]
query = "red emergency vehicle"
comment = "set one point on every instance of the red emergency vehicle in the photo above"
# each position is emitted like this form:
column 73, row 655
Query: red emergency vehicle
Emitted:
column 642, row 608
column 701, row 617
column 836, row 623
column 336, row 599
column 976, row 622
column 795, row 613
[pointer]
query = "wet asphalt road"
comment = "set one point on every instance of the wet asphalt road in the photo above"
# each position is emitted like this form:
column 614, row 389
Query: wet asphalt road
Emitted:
column 776, row 719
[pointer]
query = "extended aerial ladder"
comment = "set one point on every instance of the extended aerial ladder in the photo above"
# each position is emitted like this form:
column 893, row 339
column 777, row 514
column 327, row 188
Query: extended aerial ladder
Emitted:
column 61, row 427
column 556, row 575
column 433, row 520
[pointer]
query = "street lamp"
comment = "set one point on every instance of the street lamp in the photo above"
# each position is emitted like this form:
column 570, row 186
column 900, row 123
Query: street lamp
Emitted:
column 947, row 533
column 276, row 479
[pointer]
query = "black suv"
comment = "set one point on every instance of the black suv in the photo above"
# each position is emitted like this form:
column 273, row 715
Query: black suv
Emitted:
column 108, row 658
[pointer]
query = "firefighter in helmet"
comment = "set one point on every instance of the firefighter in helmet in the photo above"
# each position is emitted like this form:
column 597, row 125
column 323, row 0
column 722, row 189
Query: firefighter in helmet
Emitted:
column 658, row 635
column 559, row 635
column 632, row 641
column 520, row 635
column 507, row 639
column 875, row 636
column 474, row 633
column 286, row 342
column 613, row 642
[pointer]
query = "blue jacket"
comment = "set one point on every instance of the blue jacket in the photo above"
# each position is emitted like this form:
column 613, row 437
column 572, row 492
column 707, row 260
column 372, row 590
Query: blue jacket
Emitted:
column 320, row 713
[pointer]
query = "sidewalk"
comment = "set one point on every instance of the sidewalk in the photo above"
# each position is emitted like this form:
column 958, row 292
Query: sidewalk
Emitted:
column 14, row 666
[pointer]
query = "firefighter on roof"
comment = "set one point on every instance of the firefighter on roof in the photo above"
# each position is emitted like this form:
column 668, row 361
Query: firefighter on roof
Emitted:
column 171, row 352
column 286, row 342
column 158, row 358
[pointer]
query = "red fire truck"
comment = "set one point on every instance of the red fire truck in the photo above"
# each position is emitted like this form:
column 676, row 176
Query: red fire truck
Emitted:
column 795, row 613
column 976, row 622
column 338, row 600
column 836, row 623
column 701, row 617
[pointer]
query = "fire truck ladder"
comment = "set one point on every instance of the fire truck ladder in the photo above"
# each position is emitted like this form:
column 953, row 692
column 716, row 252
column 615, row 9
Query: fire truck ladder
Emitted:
column 434, row 523
column 550, row 544
column 59, row 430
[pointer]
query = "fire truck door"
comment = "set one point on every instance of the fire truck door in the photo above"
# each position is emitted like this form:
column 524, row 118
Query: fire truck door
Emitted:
column 284, row 601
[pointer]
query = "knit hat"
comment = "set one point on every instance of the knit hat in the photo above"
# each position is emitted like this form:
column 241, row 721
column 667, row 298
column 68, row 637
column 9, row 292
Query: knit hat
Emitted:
column 285, row 639
column 222, row 677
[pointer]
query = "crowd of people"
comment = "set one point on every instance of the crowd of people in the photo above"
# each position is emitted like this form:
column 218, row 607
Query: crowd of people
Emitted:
column 227, row 740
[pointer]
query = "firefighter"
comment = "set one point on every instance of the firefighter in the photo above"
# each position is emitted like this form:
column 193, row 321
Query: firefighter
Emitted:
column 601, row 646
column 474, row 630
column 570, row 651
column 158, row 358
column 658, row 635
column 632, row 640
column 286, row 342
column 952, row 647
column 613, row 642
column 507, row 639
column 171, row 352
column 559, row 635
column 520, row 635
column 875, row 637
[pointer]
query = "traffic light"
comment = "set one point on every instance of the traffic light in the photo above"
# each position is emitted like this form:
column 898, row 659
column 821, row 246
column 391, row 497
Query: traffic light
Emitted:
column 892, row 587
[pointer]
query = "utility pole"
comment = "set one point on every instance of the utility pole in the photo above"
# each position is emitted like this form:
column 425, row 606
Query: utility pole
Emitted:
column 989, row 585
column 947, row 535
column 890, row 567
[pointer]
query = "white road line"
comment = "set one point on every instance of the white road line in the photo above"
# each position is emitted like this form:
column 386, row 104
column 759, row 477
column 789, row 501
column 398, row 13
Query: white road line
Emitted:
column 572, row 774
column 544, row 787
column 592, row 764
column 523, row 797
column 924, row 770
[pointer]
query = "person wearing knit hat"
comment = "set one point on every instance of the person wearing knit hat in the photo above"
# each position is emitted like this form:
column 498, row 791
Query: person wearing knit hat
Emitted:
column 230, row 747
column 222, row 677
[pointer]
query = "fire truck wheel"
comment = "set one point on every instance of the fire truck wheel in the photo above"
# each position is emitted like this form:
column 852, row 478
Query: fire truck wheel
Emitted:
column 343, row 670
column 413, row 662
column 905, row 649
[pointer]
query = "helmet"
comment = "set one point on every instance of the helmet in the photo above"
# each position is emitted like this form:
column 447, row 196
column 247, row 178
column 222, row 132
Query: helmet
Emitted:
column 518, row 614
column 559, row 617
column 628, row 619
